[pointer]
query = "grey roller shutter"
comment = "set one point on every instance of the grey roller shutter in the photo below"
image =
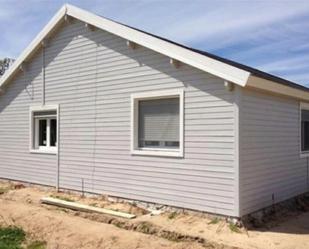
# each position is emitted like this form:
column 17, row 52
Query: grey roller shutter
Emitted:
column 159, row 123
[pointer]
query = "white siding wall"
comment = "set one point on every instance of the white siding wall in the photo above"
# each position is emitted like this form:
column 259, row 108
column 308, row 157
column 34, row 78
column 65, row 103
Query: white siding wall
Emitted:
column 270, row 161
column 91, row 75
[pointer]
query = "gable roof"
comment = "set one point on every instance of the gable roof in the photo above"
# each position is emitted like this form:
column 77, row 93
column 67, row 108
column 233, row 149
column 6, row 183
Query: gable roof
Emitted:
column 226, row 69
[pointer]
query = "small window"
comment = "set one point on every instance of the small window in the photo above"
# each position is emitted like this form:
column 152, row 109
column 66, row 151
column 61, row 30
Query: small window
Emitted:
column 43, row 130
column 304, row 130
column 157, row 123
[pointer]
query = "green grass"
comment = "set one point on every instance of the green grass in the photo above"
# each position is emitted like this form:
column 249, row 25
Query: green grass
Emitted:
column 11, row 237
column 234, row 228
column 214, row 221
column 14, row 237
column 172, row 215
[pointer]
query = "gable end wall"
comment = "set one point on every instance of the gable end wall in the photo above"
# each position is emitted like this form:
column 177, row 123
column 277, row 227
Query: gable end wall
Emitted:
column 91, row 75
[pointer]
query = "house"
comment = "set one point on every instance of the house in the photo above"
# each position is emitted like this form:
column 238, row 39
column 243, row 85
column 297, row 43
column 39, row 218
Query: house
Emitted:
column 94, row 105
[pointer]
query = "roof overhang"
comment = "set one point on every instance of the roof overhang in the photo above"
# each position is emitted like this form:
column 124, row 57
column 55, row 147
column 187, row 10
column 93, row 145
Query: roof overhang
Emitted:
column 277, row 88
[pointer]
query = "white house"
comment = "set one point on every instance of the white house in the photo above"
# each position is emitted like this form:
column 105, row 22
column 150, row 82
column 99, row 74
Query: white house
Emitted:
column 95, row 105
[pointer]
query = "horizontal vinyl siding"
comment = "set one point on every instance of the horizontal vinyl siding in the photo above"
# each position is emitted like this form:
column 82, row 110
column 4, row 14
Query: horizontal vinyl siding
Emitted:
column 92, row 75
column 270, row 161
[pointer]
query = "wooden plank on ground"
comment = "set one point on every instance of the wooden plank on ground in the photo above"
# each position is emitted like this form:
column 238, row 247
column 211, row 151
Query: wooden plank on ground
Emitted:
column 83, row 207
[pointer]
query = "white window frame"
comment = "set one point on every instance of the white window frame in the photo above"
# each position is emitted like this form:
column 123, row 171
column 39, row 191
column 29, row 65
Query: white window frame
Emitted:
column 166, row 152
column 302, row 106
column 34, row 129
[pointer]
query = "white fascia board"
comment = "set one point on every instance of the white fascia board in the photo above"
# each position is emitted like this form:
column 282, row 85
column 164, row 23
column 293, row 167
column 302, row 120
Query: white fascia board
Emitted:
column 212, row 66
column 33, row 45
column 277, row 88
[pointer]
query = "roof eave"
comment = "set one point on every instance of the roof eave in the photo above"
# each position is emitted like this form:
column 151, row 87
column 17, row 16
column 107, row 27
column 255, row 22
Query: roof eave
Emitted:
column 277, row 88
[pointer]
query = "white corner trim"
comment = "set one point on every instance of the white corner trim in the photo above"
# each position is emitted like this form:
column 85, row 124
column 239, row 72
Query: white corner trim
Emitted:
column 32, row 109
column 134, row 123
column 237, row 158
column 202, row 62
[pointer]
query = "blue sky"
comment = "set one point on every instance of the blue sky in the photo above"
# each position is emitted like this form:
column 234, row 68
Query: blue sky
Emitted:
column 270, row 35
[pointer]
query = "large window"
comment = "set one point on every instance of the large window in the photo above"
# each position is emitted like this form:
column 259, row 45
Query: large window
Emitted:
column 43, row 130
column 157, row 123
column 304, row 130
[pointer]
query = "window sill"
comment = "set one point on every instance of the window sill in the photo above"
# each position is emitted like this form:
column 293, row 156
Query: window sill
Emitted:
column 44, row 151
column 304, row 154
column 158, row 152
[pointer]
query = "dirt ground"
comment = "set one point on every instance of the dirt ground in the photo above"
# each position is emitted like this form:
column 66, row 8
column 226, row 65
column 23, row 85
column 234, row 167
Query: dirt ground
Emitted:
column 64, row 229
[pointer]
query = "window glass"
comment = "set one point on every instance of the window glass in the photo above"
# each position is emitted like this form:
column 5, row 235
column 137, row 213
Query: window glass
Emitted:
column 305, row 130
column 53, row 132
column 42, row 132
column 159, row 123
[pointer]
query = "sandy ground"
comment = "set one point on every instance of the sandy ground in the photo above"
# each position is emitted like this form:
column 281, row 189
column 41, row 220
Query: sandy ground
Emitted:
column 293, row 233
column 63, row 229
